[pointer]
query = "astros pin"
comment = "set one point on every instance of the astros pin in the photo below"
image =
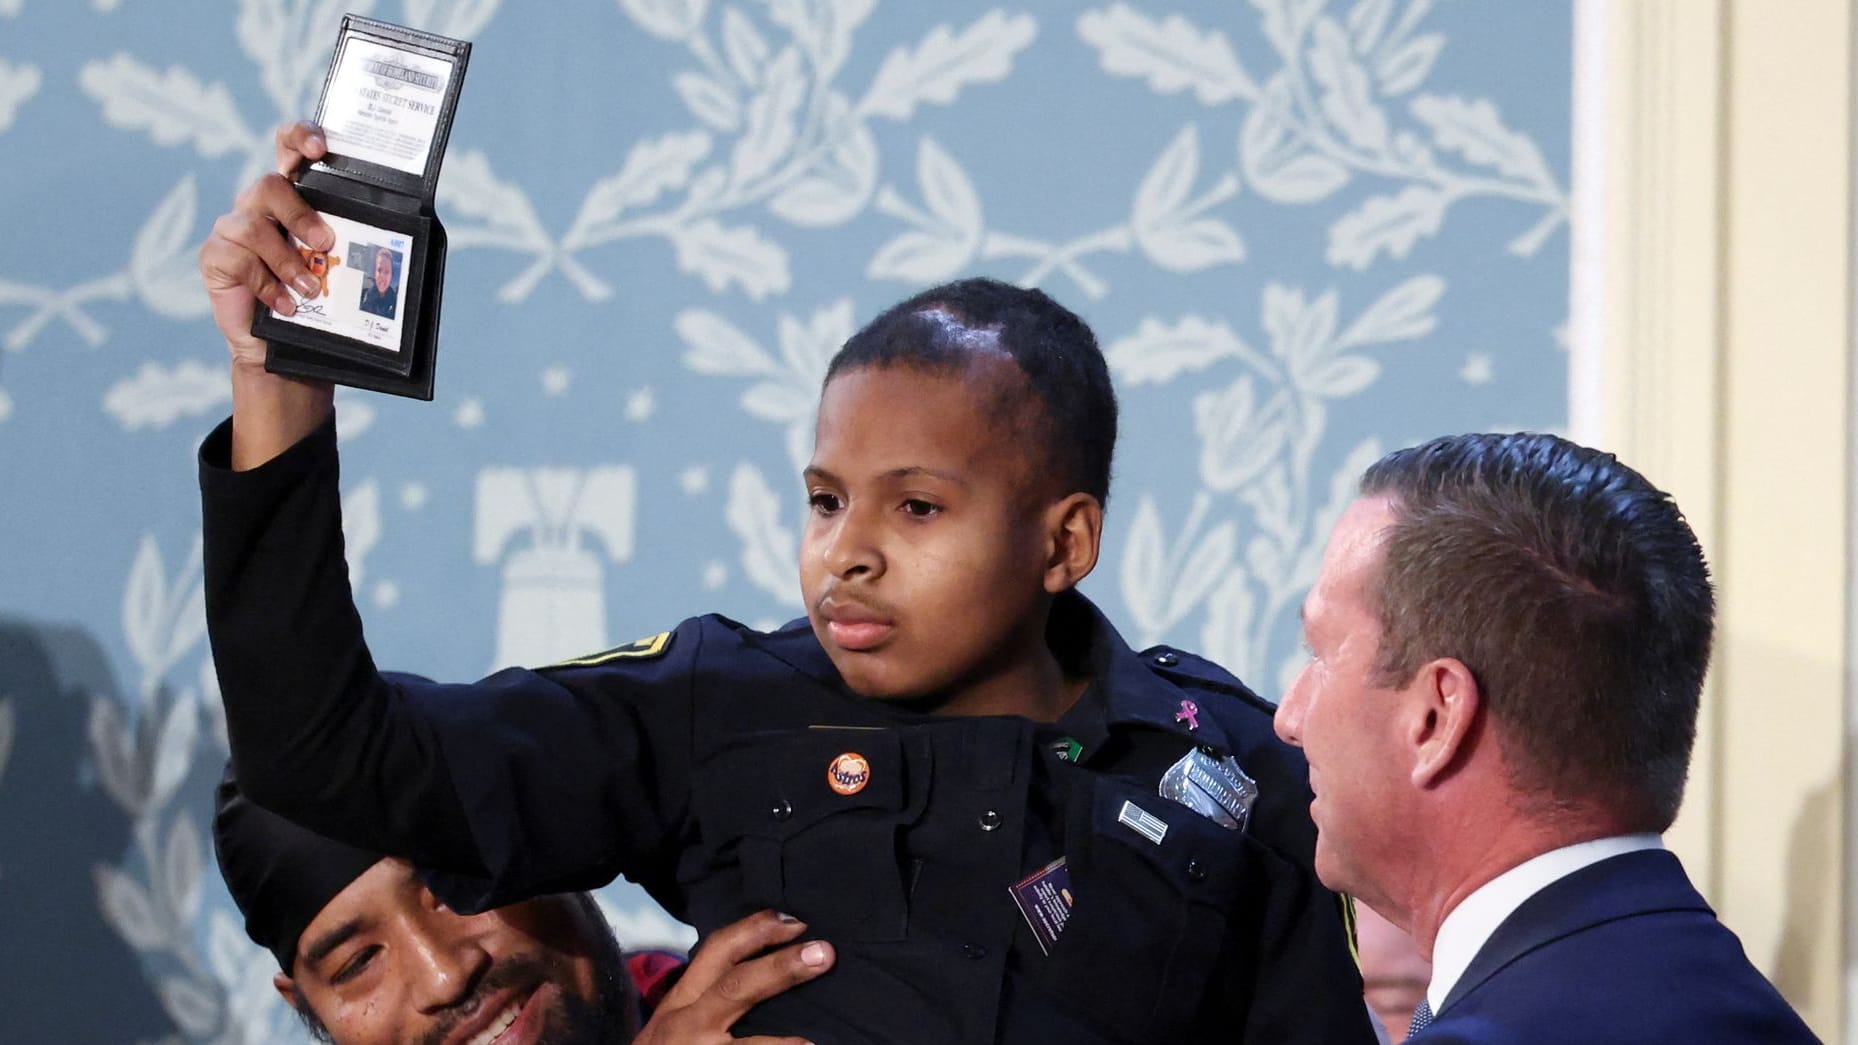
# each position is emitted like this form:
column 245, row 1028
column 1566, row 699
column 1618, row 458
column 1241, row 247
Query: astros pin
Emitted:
column 848, row 773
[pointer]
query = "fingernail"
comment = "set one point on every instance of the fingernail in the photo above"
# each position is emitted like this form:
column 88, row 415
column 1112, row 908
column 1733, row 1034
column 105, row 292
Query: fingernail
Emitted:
column 786, row 919
column 307, row 283
column 813, row 953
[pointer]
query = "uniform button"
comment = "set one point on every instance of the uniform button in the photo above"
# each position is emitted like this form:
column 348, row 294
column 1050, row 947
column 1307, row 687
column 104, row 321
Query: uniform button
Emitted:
column 1167, row 660
column 1208, row 751
column 973, row 951
column 1196, row 871
column 990, row 821
column 781, row 809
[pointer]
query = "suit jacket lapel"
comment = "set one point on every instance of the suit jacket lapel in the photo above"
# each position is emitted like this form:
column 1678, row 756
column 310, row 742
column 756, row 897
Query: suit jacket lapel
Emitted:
column 1641, row 882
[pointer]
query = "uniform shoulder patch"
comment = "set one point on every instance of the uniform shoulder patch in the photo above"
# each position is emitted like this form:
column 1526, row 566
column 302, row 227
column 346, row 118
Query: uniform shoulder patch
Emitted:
column 648, row 648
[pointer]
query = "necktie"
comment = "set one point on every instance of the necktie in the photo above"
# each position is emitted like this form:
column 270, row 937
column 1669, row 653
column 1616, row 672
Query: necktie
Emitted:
column 1422, row 1018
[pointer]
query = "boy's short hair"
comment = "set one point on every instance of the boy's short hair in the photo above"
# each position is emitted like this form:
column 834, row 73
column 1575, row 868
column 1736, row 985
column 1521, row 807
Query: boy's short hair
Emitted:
column 941, row 329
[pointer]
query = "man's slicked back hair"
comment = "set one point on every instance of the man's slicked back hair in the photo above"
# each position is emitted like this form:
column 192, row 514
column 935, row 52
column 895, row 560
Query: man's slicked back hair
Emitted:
column 1574, row 591
column 1071, row 412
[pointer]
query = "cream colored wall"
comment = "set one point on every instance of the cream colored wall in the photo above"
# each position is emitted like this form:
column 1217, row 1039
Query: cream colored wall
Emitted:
column 1712, row 311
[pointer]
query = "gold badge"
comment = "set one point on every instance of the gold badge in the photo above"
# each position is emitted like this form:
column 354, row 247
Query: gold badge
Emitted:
column 849, row 773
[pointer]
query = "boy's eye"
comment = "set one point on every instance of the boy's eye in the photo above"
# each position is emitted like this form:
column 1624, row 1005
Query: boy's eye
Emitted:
column 355, row 964
column 920, row 508
column 824, row 503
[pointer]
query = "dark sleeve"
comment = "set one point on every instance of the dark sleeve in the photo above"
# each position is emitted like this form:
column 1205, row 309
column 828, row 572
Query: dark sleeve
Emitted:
column 523, row 783
column 1303, row 985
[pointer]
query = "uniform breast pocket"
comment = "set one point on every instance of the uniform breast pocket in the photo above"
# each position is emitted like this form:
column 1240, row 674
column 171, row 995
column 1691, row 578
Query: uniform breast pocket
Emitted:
column 813, row 818
column 1156, row 887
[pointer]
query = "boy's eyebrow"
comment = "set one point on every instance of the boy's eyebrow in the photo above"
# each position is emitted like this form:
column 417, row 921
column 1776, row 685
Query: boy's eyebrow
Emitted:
column 906, row 472
column 330, row 940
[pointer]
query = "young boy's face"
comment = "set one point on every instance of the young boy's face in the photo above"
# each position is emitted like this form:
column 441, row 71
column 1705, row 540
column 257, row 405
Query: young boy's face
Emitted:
column 924, row 560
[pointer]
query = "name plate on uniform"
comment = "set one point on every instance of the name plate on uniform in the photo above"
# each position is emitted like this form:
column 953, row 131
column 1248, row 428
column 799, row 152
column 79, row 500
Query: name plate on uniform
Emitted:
column 386, row 112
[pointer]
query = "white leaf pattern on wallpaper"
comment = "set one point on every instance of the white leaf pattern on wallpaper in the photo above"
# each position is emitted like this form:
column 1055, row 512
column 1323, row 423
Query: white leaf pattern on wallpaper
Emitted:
column 157, row 396
column 1324, row 117
column 1158, row 352
column 1167, row 219
column 172, row 106
column 937, row 69
column 1254, row 233
column 162, row 262
column 17, row 84
column 769, row 548
column 1171, row 54
column 948, row 229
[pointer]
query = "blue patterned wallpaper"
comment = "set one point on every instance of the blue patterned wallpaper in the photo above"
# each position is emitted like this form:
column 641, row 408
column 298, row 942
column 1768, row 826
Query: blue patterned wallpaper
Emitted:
column 1305, row 232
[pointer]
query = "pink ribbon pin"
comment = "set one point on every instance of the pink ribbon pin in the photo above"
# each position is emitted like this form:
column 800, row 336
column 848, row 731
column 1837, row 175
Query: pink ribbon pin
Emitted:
column 1189, row 713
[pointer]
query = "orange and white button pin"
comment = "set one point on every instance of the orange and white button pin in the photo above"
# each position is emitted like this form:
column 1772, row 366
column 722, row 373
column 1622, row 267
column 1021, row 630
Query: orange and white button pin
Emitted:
column 848, row 773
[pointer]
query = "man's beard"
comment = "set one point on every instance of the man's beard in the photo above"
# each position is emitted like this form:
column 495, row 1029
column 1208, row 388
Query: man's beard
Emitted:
column 610, row 1018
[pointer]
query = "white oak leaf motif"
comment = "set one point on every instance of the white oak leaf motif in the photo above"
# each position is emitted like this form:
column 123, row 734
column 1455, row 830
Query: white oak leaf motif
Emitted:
column 1238, row 439
column 128, row 909
column 1157, row 352
column 156, row 397
column 951, row 232
column 159, row 265
column 666, row 19
column 1285, row 20
column 1385, row 223
column 361, row 527
column 1347, row 96
column 173, row 107
column 1407, row 66
column 651, row 168
column 1401, row 314
column 721, row 256
column 17, row 84
column 708, row 100
column 769, row 549
column 193, row 1009
column 1275, row 161
column 713, row 345
column 945, row 62
column 1164, row 220
column 771, row 130
column 183, row 860
column 1474, row 130
column 1172, row 55
column 744, row 45
column 458, row 19
column 840, row 183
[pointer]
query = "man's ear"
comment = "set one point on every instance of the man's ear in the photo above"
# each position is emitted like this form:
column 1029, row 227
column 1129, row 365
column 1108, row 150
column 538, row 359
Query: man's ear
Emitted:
column 1446, row 718
column 286, row 988
column 1074, row 534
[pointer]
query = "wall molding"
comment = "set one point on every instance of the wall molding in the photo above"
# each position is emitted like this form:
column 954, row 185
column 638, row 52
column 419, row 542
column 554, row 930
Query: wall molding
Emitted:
column 1712, row 350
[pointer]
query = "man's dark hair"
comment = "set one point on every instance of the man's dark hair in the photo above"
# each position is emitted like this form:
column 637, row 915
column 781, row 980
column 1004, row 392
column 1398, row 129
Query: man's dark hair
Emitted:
column 943, row 329
column 1574, row 591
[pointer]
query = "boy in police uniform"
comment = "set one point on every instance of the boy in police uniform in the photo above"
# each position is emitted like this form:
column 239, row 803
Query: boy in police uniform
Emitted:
column 1013, row 827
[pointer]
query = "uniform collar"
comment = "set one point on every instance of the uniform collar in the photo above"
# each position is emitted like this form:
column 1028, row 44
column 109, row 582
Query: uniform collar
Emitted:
column 1129, row 690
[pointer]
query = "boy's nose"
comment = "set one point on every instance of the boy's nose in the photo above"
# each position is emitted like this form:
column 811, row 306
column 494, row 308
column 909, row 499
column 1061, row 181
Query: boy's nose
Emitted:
column 852, row 552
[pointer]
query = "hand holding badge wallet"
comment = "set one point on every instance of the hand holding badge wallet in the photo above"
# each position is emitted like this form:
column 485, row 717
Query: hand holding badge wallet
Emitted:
column 386, row 112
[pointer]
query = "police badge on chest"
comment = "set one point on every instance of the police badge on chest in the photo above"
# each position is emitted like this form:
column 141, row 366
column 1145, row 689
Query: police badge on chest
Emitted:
column 1212, row 786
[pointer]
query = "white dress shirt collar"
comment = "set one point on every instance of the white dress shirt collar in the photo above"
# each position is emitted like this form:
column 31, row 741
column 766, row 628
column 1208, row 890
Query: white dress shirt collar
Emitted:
column 1468, row 926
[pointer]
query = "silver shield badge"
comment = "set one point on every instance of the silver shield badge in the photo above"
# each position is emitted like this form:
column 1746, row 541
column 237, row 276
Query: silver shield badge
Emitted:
column 1214, row 787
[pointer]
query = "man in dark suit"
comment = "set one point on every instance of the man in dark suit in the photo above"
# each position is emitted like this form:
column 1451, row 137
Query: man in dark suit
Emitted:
column 1507, row 643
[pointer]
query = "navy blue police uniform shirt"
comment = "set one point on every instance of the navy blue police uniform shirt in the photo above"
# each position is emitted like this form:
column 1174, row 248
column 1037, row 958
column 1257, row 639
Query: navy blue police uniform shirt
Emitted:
column 698, row 764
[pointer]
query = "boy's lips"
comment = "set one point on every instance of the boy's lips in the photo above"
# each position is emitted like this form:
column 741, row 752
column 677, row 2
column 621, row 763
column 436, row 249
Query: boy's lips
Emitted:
column 855, row 626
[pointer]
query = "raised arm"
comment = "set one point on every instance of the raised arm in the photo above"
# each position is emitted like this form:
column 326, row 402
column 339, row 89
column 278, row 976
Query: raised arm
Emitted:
column 523, row 783
column 248, row 260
